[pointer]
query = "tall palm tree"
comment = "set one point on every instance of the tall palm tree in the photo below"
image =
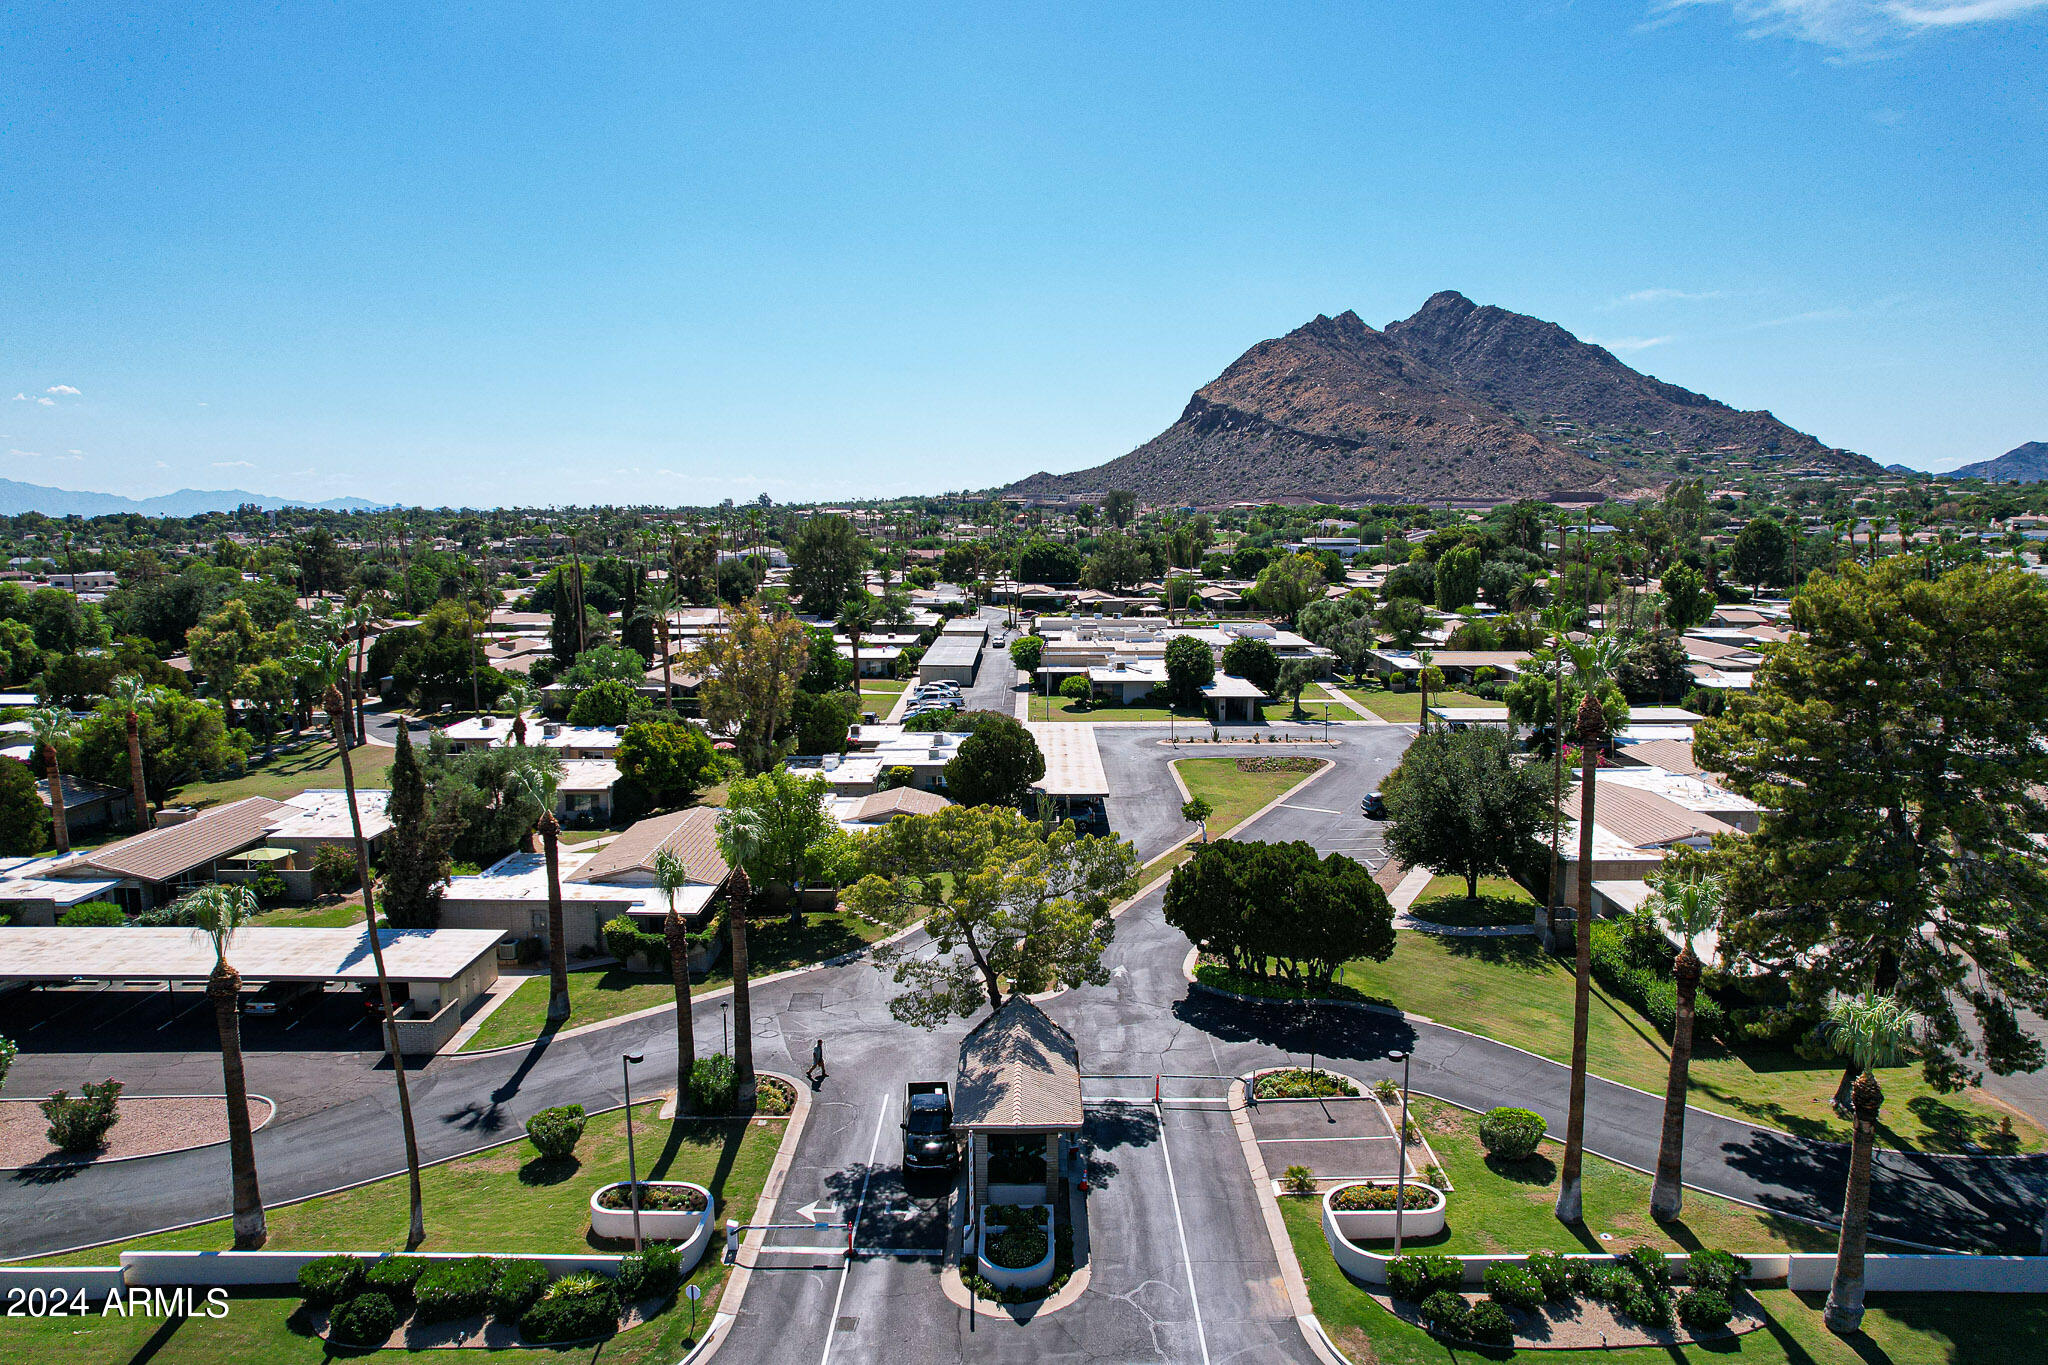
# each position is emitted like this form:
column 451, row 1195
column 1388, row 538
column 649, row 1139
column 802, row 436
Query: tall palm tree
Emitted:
column 221, row 909
column 1872, row 1031
column 740, row 836
column 131, row 694
column 1689, row 907
column 358, row 619
column 671, row 876
column 657, row 603
column 329, row 663
column 857, row 618
column 1593, row 662
column 51, row 726
column 531, row 786
column 1559, row 620
column 1427, row 661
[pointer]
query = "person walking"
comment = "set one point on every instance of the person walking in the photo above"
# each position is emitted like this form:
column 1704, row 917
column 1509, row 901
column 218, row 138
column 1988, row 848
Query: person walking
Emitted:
column 816, row 1072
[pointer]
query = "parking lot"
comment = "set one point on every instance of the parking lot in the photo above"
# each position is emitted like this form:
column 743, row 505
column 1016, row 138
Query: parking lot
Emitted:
column 1338, row 1139
column 137, row 1016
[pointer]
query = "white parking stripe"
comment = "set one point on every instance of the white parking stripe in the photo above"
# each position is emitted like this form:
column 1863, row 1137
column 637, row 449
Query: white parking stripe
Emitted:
column 1187, row 1261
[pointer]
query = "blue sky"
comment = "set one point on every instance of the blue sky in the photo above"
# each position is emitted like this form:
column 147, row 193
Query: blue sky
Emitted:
column 541, row 254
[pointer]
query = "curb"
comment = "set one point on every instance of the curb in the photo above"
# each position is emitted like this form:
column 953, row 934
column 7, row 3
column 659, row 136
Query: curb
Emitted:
column 736, row 1283
column 74, row 1165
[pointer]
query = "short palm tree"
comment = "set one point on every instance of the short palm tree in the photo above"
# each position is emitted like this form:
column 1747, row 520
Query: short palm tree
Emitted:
column 535, row 788
column 1688, row 906
column 1871, row 1030
column 740, row 836
column 221, row 909
column 1593, row 662
column 671, row 876
column 522, row 696
column 51, row 726
column 131, row 694
column 1426, row 659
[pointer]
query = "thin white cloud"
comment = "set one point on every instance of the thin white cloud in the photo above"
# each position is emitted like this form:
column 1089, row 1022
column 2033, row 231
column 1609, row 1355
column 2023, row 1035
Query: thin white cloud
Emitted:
column 35, row 398
column 232, row 464
column 1859, row 27
column 27, row 454
column 65, row 389
column 1667, row 296
column 1629, row 344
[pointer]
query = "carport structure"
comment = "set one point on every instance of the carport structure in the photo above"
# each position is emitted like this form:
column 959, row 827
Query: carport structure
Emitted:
column 1073, row 768
column 441, row 970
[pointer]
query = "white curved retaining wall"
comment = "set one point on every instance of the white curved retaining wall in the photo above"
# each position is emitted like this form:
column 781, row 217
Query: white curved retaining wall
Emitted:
column 1378, row 1224
column 1028, row 1277
column 1805, row 1270
column 691, row 1231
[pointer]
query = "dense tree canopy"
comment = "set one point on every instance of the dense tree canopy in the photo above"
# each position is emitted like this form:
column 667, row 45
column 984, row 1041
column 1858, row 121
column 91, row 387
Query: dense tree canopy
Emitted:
column 1895, row 745
column 827, row 564
column 1460, row 804
column 1253, row 903
column 996, row 764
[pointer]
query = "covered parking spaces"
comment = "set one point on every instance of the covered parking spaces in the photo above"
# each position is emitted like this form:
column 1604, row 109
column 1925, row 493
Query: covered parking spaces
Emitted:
column 141, row 989
column 1074, row 777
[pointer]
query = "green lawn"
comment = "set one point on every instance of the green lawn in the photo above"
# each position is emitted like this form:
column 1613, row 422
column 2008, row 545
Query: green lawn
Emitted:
column 1407, row 706
column 329, row 912
column 1065, row 708
column 1234, row 793
column 288, row 774
column 1312, row 710
column 773, row 945
column 1501, row 901
column 506, row 1200
column 1898, row 1329
column 1511, row 989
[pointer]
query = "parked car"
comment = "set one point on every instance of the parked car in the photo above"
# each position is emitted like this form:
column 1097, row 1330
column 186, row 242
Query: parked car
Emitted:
column 1372, row 807
column 281, row 997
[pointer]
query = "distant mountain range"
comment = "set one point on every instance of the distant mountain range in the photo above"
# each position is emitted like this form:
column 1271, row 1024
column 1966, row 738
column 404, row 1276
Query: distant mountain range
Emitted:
column 1456, row 401
column 2021, row 464
column 16, row 498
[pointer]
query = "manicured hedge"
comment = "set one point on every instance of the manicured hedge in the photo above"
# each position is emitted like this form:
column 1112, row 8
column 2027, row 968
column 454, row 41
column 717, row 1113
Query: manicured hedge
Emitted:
column 556, row 1131
column 454, row 1289
column 1511, row 1134
column 1626, row 964
column 1416, row 1277
column 330, row 1279
column 574, row 1308
column 1514, row 1286
column 365, row 1320
column 1488, row 1323
column 518, row 1286
column 394, row 1276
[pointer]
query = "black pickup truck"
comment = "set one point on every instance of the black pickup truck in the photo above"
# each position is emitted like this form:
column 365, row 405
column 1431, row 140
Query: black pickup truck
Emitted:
column 928, row 1127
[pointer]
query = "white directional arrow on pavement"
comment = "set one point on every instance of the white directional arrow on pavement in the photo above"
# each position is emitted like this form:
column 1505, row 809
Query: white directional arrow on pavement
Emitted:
column 820, row 1213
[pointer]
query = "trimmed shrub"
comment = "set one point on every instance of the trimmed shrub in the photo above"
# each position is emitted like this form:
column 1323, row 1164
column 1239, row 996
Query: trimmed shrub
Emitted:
column 365, row 1320
column 93, row 915
column 1513, row 1286
column 1552, row 1271
column 1489, row 1324
column 334, row 869
column 1646, row 1303
column 454, row 1289
column 517, row 1288
column 1604, row 1284
column 574, row 1308
column 1705, row 1310
column 394, row 1276
column 1650, row 1265
column 1386, row 1090
column 1377, row 1198
column 714, row 1085
column 79, row 1125
column 1415, row 1277
column 650, row 1274
column 1715, row 1269
column 1636, row 968
column 1445, row 1312
column 329, row 1280
column 556, row 1131
column 1511, row 1134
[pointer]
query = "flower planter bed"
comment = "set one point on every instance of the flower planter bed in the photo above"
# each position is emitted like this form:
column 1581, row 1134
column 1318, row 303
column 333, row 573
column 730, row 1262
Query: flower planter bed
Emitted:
column 1422, row 1217
column 992, row 1242
column 687, row 1226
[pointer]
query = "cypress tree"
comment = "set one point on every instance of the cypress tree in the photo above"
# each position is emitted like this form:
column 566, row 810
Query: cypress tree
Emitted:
column 415, row 862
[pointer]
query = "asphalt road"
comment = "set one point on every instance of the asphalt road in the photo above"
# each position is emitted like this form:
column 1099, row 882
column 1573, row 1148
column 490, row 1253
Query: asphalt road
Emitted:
column 1153, row 1238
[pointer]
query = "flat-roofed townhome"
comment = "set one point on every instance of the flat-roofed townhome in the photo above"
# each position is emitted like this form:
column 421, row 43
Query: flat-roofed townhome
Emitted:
column 586, row 791
column 241, row 841
column 922, row 755
column 1634, row 830
column 511, row 895
column 90, row 805
column 570, row 741
column 1457, row 665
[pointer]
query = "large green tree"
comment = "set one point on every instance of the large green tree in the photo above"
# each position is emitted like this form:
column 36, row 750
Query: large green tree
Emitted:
column 792, row 823
column 1253, row 903
column 1457, row 578
column 1895, row 745
column 665, row 761
column 1013, row 907
column 24, row 818
column 1461, row 804
column 996, row 765
column 1287, row 585
column 827, row 563
column 1253, row 660
column 1190, row 666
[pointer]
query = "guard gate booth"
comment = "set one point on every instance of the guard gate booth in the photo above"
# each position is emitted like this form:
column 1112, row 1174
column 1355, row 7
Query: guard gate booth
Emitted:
column 1016, row 1096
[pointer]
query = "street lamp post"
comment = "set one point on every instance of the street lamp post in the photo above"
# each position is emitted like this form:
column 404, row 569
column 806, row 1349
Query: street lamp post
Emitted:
column 725, row 1027
column 627, row 1060
column 1401, row 1150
